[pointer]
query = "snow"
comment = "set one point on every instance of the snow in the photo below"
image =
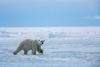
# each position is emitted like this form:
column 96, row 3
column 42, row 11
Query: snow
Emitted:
column 64, row 47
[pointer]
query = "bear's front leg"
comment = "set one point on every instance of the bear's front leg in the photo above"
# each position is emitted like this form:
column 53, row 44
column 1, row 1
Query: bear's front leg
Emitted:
column 33, row 50
column 40, row 50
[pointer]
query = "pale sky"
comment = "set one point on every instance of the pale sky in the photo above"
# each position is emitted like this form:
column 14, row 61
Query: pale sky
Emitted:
column 49, row 13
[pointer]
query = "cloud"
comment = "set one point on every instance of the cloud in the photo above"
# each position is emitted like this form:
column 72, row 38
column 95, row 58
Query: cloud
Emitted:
column 96, row 17
column 90, row 17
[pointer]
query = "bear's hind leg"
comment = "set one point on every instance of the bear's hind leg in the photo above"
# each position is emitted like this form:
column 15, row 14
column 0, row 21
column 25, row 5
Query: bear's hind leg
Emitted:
column 14, row 53
column 17, row 50
column 25, row 52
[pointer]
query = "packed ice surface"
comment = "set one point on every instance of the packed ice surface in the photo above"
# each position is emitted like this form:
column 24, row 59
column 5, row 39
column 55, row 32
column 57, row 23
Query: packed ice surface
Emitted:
column 63, row 47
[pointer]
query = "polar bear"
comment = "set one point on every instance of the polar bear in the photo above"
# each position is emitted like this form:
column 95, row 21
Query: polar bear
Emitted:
column 28, row 44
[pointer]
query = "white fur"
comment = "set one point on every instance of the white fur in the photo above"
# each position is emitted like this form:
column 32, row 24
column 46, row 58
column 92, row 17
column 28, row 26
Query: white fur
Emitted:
column 29, row 44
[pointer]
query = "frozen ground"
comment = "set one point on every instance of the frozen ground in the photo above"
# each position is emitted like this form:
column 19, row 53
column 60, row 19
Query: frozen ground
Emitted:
column 64, row 47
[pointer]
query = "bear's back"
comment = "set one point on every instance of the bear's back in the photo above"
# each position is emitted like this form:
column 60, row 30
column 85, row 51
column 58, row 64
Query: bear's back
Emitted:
column 27, row 44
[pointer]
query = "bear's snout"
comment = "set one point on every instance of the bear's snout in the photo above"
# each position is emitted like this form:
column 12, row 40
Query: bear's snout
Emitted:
column 42, row 42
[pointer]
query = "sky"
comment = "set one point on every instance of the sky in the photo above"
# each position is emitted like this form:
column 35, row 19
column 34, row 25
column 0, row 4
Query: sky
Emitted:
column 49, row 13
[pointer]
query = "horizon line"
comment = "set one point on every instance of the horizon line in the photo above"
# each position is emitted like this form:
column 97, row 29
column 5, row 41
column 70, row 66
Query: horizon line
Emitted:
column 50, row 26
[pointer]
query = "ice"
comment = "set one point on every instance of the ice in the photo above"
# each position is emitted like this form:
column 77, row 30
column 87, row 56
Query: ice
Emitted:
column 64, row 47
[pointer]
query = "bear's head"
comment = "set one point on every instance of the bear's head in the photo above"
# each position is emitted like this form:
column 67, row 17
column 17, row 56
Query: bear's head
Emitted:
column 41, row 42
